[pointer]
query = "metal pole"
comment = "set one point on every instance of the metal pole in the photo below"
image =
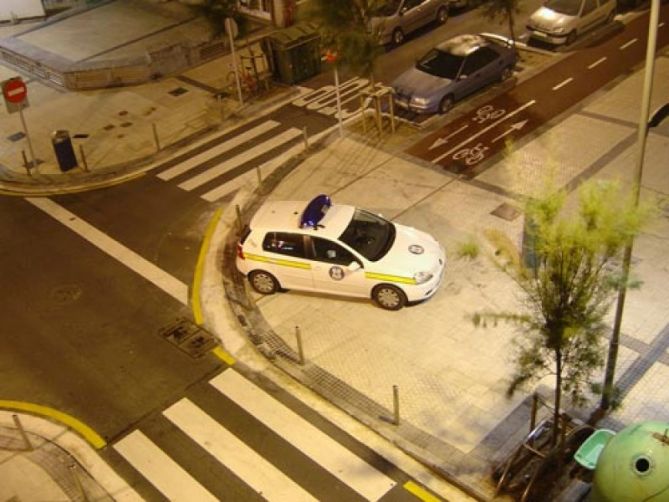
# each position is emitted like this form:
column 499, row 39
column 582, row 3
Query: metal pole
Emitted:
column 259, row 175
column 306, row 138
column 22, row 431
column 533, row 416
column 25, row 130
column 614, row 343
column 228, row 26
column 341, row 125
column 362, row 114
column 240, row 227
column 396, row 405
column 300, row 349
column 155, row 136
column 392, row 111
column 25, row 162
column 83, row 157
column 82, row 492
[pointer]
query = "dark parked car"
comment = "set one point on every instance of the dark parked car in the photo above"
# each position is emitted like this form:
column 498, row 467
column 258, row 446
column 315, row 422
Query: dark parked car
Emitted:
column 395, row 19
column 451, row 71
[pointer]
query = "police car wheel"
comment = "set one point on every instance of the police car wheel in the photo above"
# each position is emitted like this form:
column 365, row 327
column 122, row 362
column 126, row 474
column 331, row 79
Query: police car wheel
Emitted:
column 263, row 282
column 389, row 297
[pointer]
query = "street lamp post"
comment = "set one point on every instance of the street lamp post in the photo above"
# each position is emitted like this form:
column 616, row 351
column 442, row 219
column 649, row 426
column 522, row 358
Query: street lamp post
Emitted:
column 614, row 343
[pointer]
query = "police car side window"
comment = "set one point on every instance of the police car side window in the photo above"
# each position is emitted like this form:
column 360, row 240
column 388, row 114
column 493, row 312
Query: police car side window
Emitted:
column 331, row 252
column 284, row 243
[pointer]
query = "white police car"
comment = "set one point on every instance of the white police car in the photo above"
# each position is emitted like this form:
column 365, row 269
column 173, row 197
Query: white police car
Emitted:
column 338, row 249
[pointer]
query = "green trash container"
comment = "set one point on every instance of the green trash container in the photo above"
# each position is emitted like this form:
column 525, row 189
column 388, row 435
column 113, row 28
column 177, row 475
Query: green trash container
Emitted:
column 295, row 53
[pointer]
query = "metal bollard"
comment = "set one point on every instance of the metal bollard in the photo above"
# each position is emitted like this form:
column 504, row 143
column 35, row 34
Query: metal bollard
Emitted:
column 155, row 136
column 300, row 349
column 83, row 158
column 240, row 226
column 306, row 138
column 396, row 404
column 25, row 162
column 22, row 431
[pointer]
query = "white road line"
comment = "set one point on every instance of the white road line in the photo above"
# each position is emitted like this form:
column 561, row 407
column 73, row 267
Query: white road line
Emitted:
column 247, row 155
column 320, row 447
column 627, row 44
column 116, row 250
column 198, row 159
column 160, row 470
column 484, row 130
column 562, row 84
column 596, row 63
column 244, row 462
column 265, row 170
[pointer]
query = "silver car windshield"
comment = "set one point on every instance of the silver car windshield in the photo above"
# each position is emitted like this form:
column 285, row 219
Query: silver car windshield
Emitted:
column 566, row 7
column 441, row 64
column 369, row 234
column 387, row 9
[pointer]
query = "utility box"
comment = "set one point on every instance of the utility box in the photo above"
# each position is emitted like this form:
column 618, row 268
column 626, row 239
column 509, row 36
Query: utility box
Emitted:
column 62, row 145
column 295, row 53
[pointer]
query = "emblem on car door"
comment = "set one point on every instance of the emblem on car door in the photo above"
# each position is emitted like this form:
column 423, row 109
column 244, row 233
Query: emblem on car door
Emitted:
column 337, row 273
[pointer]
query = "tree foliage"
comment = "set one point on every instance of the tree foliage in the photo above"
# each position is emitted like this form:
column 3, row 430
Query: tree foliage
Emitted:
column 216, row 11
column 344, row 27
column 506, row 10
column 566, row 296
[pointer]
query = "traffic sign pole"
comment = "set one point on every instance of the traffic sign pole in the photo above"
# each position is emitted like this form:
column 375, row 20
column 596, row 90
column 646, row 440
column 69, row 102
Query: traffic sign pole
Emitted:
column 33, row 163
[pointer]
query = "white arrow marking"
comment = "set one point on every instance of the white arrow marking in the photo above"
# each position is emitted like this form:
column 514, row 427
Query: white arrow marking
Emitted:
column 484, row 130
column 514, row 127
column 444, row 140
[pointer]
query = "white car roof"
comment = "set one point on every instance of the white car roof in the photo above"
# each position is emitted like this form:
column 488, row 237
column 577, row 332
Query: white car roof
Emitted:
column 462, row 45
column 284, row 216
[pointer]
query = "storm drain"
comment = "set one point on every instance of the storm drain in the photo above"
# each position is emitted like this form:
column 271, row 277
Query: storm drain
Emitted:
column 16, row 136
column 506, row 212
column 178, row 91
column 189, row 337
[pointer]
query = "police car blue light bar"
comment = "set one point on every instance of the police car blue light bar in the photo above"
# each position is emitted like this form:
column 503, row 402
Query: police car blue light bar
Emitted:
column 315, row 211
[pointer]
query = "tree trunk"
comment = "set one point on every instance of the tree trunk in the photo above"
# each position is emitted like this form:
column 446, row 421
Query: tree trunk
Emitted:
column 558, row 396
column 509, row 16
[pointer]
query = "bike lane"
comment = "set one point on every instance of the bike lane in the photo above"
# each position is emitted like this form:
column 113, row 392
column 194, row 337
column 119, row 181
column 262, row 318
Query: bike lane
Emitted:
column 461, row 146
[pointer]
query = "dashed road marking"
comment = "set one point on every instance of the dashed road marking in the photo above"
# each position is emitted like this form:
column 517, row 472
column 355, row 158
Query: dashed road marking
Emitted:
column 596, row 63
column 562, row 84
column 627, row 44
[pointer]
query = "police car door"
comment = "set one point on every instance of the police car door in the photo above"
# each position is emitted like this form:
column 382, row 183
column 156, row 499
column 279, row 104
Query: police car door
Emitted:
column 331, row 272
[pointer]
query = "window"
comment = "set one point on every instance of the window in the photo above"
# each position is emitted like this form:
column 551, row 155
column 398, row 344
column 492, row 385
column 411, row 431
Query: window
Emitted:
column 589, row 6
column 478, row 59
column 284, row 243
column 369, row 235
column 410, row 4
column 440, row 64
column 331, row 252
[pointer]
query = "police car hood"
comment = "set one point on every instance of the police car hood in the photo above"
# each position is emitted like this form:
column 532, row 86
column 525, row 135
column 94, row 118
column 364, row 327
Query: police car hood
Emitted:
column 413, row 251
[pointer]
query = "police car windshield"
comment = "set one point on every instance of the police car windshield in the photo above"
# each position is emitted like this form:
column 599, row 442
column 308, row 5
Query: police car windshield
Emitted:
column 369, row 235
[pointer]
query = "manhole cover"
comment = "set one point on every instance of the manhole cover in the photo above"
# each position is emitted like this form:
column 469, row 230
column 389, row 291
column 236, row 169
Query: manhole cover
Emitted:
column 189, row 337
column 506, row 212
column 16, row 136
column 109, row 127
column 126, row 124
column 80, row 135
column 123, row 113
column 178, row 91
column 66, row 294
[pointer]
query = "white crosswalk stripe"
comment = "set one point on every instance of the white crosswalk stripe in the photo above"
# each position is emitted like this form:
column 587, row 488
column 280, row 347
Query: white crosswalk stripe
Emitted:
column 237, row 160
column 163, row 472
column 221, row 148
column 331, row 455
column 257, row 472
column 237, row 460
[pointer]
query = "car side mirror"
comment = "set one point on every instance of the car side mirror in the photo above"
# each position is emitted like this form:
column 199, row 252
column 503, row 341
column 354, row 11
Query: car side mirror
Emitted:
column 354, row 266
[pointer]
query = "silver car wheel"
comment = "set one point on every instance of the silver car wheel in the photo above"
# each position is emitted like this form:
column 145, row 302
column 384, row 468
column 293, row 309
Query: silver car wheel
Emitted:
column 263, row 282
column 389, row 297
column 571, row 38
column 442, row 15
column 446, row 104
column 506, row 74
column 398, row 36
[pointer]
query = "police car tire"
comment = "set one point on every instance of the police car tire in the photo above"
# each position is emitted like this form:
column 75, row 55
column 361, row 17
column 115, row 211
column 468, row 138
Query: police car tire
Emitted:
column 389, row 297
column 264, row 282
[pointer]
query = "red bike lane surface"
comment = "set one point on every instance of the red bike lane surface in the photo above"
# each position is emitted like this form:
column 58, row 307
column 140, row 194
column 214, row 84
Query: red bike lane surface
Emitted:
column 462, row 146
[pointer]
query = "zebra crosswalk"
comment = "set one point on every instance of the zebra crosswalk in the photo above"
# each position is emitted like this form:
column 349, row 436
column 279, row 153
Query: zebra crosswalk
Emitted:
column 220, row 166
column 228, row 439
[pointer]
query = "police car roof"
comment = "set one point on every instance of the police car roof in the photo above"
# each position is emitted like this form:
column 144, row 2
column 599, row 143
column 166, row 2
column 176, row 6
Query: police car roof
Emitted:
column 284, row 216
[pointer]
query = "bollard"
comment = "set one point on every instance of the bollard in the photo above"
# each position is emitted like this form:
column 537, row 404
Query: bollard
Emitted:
column 240, row 227
column 533, row 416
column 83, row 158
column 155, row 136
column 25, row 162
column 300, row 349
column 259, row 175
column 396, row 404
column 362, row 114
column 392, row 112
column 22, row 431
column 306, row 138
column 77, row 481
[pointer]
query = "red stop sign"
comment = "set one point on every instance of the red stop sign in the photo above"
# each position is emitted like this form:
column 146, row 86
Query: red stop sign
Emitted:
column 15, row 91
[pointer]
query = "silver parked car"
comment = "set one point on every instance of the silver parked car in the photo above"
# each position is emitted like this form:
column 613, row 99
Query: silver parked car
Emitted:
column 395, row 19
column 561, row 21
column 452, row 70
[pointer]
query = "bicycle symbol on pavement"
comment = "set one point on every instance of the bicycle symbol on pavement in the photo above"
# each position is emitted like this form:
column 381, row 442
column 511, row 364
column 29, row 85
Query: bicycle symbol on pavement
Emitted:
column 488, row 112
column 472, row 155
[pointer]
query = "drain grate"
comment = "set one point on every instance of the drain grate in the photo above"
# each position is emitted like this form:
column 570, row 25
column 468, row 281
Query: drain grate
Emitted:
column 16, row 136
column 189, row 337
column 506, row 212
column 80, row 135
column 178, row 91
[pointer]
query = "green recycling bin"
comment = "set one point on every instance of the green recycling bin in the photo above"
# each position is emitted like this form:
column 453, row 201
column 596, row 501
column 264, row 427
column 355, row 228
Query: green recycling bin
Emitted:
column 295, row 53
